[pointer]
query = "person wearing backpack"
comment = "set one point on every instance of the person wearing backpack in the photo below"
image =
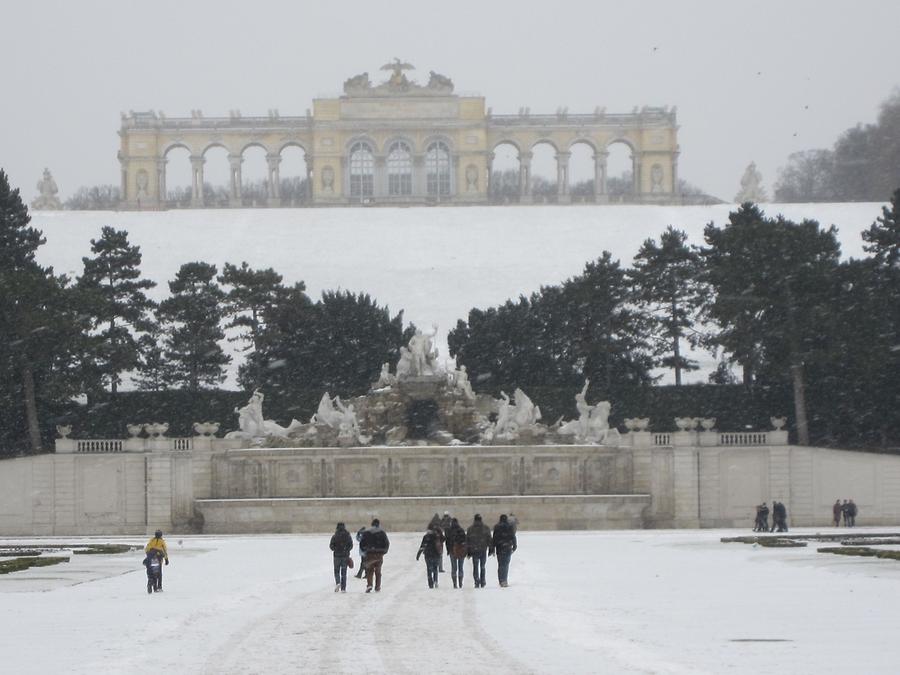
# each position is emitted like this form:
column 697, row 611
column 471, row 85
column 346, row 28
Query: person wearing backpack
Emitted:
column 456, row 549
column 376, row 544
column 503, row 543
column 432, row 547
column 341, row 546
column 478, row 541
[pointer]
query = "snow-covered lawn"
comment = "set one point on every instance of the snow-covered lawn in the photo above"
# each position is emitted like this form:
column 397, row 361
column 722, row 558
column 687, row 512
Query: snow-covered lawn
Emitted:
column 586, row 602
column 433, row 263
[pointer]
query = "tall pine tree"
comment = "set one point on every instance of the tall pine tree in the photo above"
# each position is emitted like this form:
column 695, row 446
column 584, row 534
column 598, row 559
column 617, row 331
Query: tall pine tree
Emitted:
column 665, row 278
column 192, row 317
column 114, row 297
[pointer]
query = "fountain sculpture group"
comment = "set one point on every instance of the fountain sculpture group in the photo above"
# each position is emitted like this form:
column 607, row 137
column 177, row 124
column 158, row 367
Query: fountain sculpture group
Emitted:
column 423, row 402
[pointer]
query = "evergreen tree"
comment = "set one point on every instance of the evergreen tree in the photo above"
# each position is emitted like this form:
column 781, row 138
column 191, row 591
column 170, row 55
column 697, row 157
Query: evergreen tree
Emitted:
column 251, row 297
column 115, row 299
column 770, row 280
column 883, row 236
column 192, row 317
column 665, row 278
column 37, row 325
column 337, row 345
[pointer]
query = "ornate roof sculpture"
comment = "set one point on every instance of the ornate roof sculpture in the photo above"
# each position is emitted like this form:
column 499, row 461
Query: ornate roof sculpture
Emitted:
column 398, row 83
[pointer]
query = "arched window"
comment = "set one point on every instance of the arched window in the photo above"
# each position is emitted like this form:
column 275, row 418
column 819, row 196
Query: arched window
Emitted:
column 437, row 167
column 399, row 165
column 362, row 170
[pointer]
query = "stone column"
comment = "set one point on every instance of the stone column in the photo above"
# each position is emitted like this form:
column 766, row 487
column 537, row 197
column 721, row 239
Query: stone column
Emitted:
column 489, row 177
column 161, row 180
column 124, row 189
column 636, row 167
column 234, row 198
column 675, row 189
column 562, row 177
column 600, row 195
column 274, row 162
column 525, row 177
column 309, row 197
column 197, row 181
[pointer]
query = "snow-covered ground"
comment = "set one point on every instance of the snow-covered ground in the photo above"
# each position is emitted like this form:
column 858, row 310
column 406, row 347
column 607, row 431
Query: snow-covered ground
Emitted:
column 588, row 602
column 433, row 263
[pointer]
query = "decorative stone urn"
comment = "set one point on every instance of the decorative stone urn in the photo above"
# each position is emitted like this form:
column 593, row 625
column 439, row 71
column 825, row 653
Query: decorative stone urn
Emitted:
column 642, row 423
column 64, row 430
column 778, row 422
column 134, row 430
column 207, row 429
column 708, row 423
column 684, row 423
column 631, row 423
column 156, row 429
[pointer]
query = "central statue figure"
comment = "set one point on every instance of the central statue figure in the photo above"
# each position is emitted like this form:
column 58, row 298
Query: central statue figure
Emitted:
column 398, row 79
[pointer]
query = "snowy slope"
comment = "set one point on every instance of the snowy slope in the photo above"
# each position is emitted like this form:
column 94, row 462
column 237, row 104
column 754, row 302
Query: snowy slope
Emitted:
column 676, row 602
column 434, row 263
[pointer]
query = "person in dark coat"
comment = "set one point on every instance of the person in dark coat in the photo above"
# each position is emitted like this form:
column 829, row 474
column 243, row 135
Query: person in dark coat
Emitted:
column 456, row 549
column 478, row 540
column 432, row 547
column 341, row 545
column 446, row 521
column 836, row 513
column 852, row 511
column 362, row 552
column 503, row 543
column 779, row 517
column 376, row 543
column 845, row 511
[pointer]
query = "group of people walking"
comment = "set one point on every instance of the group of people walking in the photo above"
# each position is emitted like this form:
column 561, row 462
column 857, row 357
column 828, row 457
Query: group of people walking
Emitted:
column 846, row 510
column 779, row 518
column 477, row 542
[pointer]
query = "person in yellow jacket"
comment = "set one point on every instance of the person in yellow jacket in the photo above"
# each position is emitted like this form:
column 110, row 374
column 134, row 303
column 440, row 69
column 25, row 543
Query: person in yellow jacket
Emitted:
column 159, row 544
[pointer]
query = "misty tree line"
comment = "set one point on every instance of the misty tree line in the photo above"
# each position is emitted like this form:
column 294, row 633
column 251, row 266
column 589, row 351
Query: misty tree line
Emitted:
column 863, row 165
column 766, row 294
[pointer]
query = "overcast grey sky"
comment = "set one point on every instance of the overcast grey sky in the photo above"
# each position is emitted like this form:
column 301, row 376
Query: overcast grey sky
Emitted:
column 752, row 81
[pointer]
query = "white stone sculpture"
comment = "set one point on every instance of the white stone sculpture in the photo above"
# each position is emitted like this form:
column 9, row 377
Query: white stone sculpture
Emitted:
column 592, row 425
column 156, row 429
column 419, row 358
column 461, row 380
column 385, row 379
column 515, row 418
column 708, row 423
column 527, row 414
column 253, row 425
column 206, row 428
column 64, row 430
column 778, row 422
column 134, row 430
column 340, row 417
column 47, row 199
column 751, row 186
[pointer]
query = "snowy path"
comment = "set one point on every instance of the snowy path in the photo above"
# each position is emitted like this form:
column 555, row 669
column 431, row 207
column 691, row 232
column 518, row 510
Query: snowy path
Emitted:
column 605, row 602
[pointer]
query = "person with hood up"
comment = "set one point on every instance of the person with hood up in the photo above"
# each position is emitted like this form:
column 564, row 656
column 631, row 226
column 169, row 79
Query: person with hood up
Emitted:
column 478, row 540
column 376, row 544
column 362, row 552
column 341, row 545
column 157, row 543
column 432, row 547
column 456, row 549
column 503, row 543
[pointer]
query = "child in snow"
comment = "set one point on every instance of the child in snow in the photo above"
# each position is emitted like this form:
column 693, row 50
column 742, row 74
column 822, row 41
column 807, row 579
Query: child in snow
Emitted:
column 153, row 562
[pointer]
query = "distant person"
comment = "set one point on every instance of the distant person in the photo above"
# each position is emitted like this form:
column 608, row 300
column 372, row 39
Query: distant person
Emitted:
column 456, row 549
column 478, row 541
column 845, row 510
column 446, row 521
column 779, row 517
column 362, row 552
column 503, row 543
column 157, row 543
column 341, row 545
column 432, row 547
column 836, row 512
column 376, row 543
column 852, row 511
column 153, row 563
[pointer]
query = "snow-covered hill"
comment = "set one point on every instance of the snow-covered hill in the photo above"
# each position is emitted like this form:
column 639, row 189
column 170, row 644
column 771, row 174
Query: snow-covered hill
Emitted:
column 434, row 263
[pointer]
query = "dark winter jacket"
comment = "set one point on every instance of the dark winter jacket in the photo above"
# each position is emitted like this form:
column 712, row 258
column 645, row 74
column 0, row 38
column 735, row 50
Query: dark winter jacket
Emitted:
column 430, row 546
column 446, row 522
column 375, row 540
column 456, row 541
column 341, row 543
column 504, row 538
column 478, row 538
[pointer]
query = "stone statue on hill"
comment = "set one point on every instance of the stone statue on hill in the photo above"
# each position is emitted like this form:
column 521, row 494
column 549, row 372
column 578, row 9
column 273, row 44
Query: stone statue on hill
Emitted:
column 751, row 187
column 47, row 200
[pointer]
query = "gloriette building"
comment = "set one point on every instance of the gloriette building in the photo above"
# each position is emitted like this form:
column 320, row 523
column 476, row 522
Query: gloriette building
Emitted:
column 399, row 142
